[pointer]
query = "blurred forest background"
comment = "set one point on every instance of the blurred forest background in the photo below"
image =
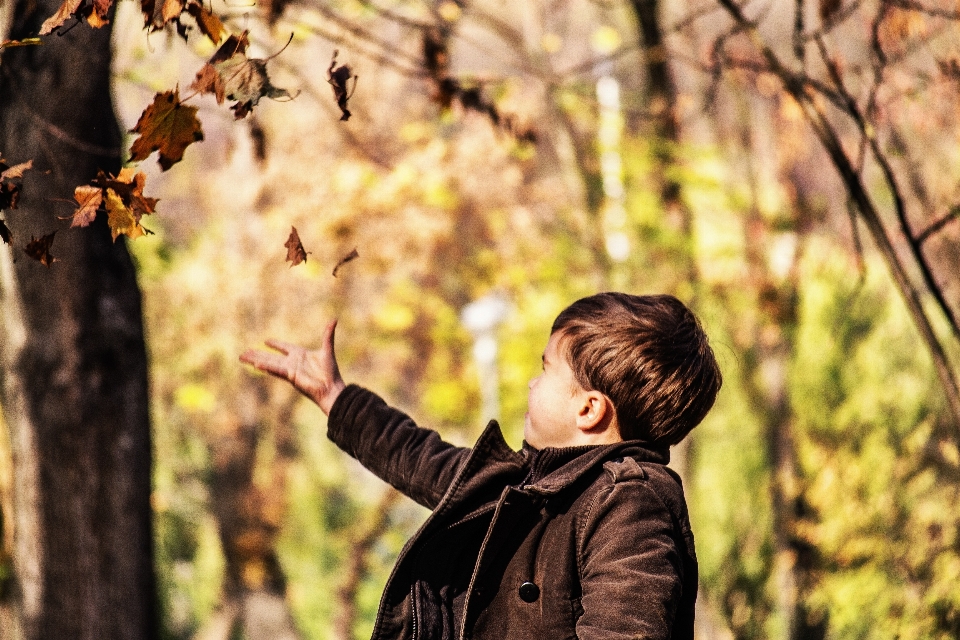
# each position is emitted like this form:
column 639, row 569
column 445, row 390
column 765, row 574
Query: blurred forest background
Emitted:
column 789, row 169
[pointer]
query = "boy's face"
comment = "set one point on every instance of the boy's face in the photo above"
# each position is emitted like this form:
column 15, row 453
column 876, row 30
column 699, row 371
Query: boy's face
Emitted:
column 553, row 401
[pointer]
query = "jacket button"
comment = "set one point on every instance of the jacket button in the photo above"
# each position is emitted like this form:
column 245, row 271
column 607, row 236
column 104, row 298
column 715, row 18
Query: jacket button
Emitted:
column 529, row 592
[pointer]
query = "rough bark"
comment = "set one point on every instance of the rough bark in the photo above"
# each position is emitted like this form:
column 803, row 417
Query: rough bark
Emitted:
column 73, row 356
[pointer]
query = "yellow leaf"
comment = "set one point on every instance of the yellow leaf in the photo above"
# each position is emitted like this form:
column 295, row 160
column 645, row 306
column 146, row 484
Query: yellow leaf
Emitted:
column 121, row 219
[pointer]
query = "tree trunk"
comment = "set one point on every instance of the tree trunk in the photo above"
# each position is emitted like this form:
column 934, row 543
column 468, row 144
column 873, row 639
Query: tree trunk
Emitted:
column 74, row 366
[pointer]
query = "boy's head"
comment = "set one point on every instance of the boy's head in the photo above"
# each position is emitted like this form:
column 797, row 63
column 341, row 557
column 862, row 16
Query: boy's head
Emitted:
column 648, row 355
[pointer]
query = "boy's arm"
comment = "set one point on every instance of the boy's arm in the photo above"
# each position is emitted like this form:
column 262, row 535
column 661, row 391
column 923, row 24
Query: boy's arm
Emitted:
column 414, row 460
column 631, row 569
column 387, row 442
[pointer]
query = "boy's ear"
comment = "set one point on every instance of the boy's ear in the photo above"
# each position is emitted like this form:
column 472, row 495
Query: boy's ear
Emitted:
column 595, row 412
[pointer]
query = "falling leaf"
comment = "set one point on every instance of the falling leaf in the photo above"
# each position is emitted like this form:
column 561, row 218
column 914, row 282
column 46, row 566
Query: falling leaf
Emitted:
column 9, row 183
column 90, row 198
column 295, row 251
column 338, row 77
column 208, row 23
column 39, row 249
column 101, row 9
column 16, row 171
column 121, row 219
column 353, row 255
column 4, row 232
column 67, row 9
column 170, row 10
column 167, row 126
column 246, row 81
column 9, row 195
column 26, row 42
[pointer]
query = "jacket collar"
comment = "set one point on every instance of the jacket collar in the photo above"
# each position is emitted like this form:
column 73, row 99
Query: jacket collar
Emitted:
column 492, row 445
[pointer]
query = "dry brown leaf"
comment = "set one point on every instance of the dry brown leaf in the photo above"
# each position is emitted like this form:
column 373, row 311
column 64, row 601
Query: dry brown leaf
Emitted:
column 66, row 10
column 209, row 81
column 39, row 249
column 208, row 23
column 295, row 251
column 338, row 77
column 89, row 198
column 167, row 126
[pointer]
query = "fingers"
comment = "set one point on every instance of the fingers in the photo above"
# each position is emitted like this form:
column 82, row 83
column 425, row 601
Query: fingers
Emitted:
column 283, row 347
column 265, row 361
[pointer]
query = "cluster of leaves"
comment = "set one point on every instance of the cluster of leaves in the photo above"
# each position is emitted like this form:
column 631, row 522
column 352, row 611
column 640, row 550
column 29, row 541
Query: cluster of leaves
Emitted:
column 297, row 254
column 167, row 126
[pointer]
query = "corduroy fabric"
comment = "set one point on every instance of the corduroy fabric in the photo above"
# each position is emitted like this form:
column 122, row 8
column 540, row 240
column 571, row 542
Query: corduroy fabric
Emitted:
column 597, row 548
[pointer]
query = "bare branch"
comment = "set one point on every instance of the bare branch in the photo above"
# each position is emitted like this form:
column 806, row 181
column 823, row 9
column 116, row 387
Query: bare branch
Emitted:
column 939, row 224
column 830, row 140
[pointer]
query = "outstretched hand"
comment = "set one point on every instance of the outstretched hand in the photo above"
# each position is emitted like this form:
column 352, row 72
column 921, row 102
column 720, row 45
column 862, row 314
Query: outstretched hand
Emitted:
column 313, row 372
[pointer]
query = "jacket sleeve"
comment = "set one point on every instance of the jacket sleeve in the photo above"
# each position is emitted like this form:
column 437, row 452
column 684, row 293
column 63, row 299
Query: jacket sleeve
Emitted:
column 387, row 442
column 631, row 569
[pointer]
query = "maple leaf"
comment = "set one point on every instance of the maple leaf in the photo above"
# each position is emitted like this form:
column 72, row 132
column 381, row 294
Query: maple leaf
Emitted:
column 246, row 81
column 338, row 77
column 124, row 200
column 208, row 23
column 90, row 198
column 121, row 219
column 353, row 255
column 167, row 126
column 39, row 249
column 295, row 251
column 4, row 232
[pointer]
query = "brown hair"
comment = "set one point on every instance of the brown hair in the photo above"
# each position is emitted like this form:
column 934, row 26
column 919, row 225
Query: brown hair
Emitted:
column 648, row 355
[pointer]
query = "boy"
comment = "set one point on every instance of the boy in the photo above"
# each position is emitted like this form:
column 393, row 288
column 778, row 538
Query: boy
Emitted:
column 584, row 532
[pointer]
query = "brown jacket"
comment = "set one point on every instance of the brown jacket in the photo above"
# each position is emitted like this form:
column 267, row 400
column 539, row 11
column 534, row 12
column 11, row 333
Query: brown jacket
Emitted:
column 598, row 547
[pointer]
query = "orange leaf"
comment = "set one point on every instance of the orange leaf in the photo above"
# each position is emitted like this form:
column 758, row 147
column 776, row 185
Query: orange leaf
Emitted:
column 171, row 10
column 90, row 198
column 208, row 23
column 167, row 126
column 39, row 249
column 295, row 251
